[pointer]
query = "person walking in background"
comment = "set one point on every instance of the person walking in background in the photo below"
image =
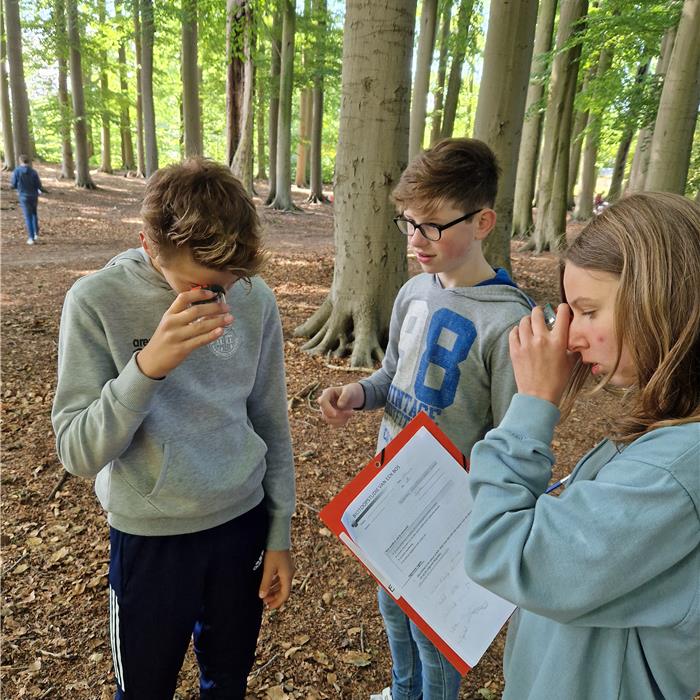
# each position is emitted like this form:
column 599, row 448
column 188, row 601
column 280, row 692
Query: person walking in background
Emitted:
column 28, row 185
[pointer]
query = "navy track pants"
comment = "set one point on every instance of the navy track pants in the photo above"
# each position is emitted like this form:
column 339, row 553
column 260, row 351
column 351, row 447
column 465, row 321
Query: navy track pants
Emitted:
column 164, row 590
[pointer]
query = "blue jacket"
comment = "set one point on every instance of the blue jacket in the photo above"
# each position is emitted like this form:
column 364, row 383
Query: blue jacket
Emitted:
column 26, row 181
column 607, row 576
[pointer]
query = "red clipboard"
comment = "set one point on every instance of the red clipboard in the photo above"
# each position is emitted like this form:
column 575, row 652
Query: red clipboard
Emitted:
column 332, row 514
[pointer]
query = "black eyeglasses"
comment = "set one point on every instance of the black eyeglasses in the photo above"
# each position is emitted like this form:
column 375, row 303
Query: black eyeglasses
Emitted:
column 432, row 232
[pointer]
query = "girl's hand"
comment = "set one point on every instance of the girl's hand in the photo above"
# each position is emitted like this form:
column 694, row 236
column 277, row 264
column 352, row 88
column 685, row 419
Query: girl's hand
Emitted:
column 338, row 403
column 541, row 361
column 276, row 584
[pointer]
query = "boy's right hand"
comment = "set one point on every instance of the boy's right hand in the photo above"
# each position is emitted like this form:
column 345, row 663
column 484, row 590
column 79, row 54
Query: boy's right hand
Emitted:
column 338, row 402
column 182, row 329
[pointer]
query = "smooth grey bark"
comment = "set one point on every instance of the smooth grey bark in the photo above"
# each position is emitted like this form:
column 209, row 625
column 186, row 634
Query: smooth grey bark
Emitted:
column 421, row 82
column 439, row 89
column 235, row 70
column 501, row 108
column 283, row 186
column 577, row 138
column 140, row 147
column 589, row 171
column 640, row 160
column 532, row 127
column 550, row 225
column 190, row 80
column 454, row 82
column 125, row 138
column 242, row 163
column 105, row 131
column 149, row 115
column 67, row 163
column 304, row 144
column 316, row 194
column 18, row 87
column 370, row 257
column 9, row 160
column 672, row 141
column 260, row 128
column 273, row 113
column 82, row 165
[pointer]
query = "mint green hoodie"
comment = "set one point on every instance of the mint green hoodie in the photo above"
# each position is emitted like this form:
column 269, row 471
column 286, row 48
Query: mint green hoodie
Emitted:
column 191, row 451
column 607, row 576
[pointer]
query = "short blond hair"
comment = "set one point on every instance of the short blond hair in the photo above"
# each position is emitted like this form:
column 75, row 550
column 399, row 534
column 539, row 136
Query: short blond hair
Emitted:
column 199, row 205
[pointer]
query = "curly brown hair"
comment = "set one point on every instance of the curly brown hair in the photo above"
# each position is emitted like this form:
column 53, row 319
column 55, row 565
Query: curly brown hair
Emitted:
column 199, row 205
column 651, row 241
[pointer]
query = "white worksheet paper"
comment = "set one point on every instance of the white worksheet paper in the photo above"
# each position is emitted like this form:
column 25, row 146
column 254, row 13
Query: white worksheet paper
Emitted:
column 410, row 523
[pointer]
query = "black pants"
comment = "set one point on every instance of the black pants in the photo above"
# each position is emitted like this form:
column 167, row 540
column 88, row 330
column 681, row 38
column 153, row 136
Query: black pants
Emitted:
column 164, row 590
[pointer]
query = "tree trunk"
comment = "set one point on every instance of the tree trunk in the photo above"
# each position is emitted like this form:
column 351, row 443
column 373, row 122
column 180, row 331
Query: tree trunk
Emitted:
column 532, row 127
column 618, row 175
column 67, row 165
column 82, row 165
column 454, row 82
column 589, row 171
column 305, row 114
column 127, row 146
column 260, row 127
column 9, row 160
column 501, row 107
column 18, row 86
column 140, row 148
column 550, row 227
column 316, row 195
column 370, row 261
column 283, row 186
column 577, row 137
column 439, row 90
column 421, row 82
column 106, row 137
column 273, row 113
column 190, row 80
column 235, row 70
column 148, row 107
column 678, row 108
column 242, row 164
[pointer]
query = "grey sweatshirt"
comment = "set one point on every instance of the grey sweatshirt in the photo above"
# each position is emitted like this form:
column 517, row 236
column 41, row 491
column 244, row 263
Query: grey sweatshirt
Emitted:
column 448, row 356
column 191, row 451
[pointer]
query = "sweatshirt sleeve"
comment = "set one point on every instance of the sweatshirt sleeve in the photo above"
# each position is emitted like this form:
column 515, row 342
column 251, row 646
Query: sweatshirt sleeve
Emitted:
column 596, row 555
column 503, row 385
column 376, row 386
column 97, row 409
column 267, row 410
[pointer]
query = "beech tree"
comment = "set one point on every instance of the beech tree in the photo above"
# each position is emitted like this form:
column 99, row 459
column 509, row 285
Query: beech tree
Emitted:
column 9, row 160
column 147, row 104
column 273, row 114
column 235, row 25
column 439, row 89
column 126, row 141
column 316, row 194
column 678, row 108
column 532, row 127
column 190, row 80
column 550, row 225
column 105, row 130
column 67, row 163
column 501, row 107
column 283, row 184
column 82, row 164
column 18, row 87
column 370, row 259
column 140, row 145
column 421, row 82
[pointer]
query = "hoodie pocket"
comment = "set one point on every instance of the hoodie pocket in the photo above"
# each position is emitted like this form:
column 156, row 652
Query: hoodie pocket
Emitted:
column 208, row 471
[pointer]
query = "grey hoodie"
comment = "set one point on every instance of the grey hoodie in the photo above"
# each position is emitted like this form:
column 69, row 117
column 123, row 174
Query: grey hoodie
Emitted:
column 448, row 356
column 191, row 451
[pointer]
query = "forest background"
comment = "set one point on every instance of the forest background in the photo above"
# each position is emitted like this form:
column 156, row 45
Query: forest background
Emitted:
column 317, row 107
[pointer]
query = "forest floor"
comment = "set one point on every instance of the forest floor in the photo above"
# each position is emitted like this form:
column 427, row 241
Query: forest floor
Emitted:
column 328, row 641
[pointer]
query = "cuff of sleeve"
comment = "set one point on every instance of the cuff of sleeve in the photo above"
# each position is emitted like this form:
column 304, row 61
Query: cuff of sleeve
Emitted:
column 278, row 536
column 133, row 389
column 370, row 395
column 529, row 416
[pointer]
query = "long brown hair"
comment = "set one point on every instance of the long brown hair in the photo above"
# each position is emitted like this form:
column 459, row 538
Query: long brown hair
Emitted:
column 651, row 241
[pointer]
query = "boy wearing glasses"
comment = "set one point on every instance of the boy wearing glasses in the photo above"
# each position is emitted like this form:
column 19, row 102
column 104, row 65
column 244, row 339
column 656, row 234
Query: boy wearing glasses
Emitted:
column 447, row 353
